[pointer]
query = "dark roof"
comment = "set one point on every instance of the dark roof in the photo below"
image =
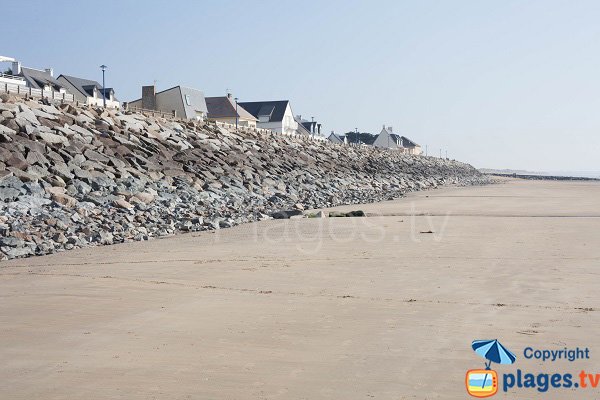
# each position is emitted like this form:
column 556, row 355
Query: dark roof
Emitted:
column 37, row 79
column 220, row 107
column 86, row 86
column 395, row 137
column 274, row 109
column 303, row 130
column 406, row 142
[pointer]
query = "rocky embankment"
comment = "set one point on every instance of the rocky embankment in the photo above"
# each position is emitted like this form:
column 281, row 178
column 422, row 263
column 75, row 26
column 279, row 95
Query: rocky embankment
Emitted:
column 73, row 177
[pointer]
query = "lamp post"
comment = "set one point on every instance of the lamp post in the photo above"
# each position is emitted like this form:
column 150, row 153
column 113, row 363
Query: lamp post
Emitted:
column 103, row 68
column 236, row 113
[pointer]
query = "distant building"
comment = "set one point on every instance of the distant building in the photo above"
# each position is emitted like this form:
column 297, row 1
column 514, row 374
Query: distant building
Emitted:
column 224, row 109
column 302, row 129
column 337, row 138
column 410, row 147
column 183, row 102
column 274, row 115
column 89, row 92
column 312, row 126
column 389, row 140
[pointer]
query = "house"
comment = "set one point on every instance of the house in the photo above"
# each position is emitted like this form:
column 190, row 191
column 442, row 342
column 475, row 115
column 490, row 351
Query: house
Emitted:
column 89, row 92
column 183, row 102
column 337, row 138
column 410, row 147
column 389, row 140
column 225, row 109
column 274, row 115
column 303, row 128
column 312, row 126
column 37, row 78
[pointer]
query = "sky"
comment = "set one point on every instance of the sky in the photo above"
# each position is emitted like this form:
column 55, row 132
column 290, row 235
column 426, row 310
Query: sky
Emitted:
column 498, row 84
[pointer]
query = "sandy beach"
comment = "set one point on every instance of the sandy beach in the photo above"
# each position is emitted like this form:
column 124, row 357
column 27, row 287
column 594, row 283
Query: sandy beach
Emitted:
column 344, row 308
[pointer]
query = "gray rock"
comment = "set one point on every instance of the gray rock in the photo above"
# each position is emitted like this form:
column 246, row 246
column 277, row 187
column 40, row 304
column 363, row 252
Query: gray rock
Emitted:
column 11, row 241
column 8, row 193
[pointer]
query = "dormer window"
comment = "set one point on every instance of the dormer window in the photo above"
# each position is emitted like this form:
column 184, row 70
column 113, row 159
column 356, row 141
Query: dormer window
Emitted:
column 188, row 101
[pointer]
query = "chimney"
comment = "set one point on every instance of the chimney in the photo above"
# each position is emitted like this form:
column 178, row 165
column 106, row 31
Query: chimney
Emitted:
column 384, row 126
column 390, row 129
column 16, row 68
column 228, row 95
column 149, row 97
column 49, row 71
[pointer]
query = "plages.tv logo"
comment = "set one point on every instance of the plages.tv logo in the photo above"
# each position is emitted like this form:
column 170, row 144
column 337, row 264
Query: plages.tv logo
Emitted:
column 484, row 382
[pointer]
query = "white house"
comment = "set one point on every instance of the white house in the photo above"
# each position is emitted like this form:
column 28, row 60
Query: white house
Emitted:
column 389, row 140
column 89, row 92
column 274, row 115
column 184, row 102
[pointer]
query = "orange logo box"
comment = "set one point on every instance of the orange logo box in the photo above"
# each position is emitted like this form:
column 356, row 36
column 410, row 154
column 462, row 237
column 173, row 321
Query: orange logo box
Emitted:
column 481, row 382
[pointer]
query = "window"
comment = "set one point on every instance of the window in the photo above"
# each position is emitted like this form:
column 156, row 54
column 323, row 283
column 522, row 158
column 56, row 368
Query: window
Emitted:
column 187, row 100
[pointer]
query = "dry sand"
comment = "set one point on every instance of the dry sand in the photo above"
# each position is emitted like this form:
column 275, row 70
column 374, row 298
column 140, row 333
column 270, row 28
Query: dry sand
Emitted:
column 352, row 308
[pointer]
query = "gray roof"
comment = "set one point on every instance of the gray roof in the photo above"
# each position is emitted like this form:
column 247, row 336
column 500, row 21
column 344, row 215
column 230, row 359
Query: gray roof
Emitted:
column 396, row 138
column 335, row 138
column 275, row 110
column 86, row 86
column 193, row 101
column 37, row 79
column 224, row 107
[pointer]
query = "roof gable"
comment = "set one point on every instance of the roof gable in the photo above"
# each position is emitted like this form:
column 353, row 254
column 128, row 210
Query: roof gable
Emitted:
column 224, row 107
column 86, row 86
column 406, row 142
column 38, row 79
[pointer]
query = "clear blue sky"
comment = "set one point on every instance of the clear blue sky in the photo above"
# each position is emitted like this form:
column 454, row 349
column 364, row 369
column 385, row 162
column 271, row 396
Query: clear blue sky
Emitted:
column 507, row 84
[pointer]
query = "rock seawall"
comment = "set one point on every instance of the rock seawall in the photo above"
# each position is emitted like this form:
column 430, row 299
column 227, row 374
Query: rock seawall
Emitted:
column 73, row 177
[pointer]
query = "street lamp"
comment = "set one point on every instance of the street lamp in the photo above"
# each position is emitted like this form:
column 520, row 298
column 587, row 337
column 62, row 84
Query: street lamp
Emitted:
column 103, row 68
column 236, row 113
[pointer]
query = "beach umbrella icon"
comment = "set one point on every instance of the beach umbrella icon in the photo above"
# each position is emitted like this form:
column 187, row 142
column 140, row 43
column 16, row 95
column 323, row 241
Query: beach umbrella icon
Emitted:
column 493, row 351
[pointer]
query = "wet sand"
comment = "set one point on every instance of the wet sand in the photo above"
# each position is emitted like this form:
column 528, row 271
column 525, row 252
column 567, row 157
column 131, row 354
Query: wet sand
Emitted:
column 344, row 308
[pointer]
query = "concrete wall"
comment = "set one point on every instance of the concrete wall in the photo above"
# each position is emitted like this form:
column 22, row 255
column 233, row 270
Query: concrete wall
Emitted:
column 170, row 100
column 241, row 122
column 19, row 82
